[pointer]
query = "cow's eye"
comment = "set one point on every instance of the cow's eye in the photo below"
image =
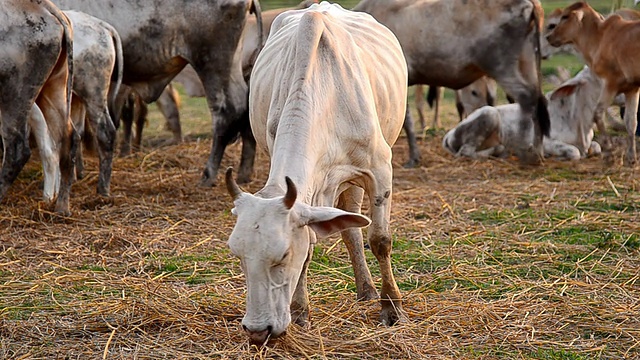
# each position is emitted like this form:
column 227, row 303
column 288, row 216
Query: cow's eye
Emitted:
column 551, row 26
column 285, row 256
column 474, row 93
column 564, row 17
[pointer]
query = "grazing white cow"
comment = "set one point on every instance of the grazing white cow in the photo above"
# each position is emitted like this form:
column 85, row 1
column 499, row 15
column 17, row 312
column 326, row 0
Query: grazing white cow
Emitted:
column 327, row 101
column 97, row 60
column 35, row 67
column 453, row 43
column 493, row 131
column 610, row 49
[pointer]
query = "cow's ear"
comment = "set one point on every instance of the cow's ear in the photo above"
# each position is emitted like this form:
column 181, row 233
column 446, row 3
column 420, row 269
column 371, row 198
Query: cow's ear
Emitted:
column 579, row 14
column 327, row 220
column 566, row 90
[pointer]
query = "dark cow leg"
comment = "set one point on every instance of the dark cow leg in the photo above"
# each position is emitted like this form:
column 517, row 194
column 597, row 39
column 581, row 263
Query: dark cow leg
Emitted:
column 248, row 151
column 16, row 151
column 168, row 106
column 351, row 200
column 128, row 117
column 140, row 117
column 68, row 153
column 414, row 153
column 105, row 132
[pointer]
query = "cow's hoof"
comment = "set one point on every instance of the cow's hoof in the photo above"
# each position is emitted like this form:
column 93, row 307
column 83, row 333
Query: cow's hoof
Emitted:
column 242, row 180
column 412, row 163
column 392, row 315
column 207, row 182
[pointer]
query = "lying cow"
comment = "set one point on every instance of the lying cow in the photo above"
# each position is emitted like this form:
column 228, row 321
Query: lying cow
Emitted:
column 97, row 62
column 600, row 43
column 41, row 35
column 474, row 96
column 328, row 96
column 495, row 131
column 460, row 41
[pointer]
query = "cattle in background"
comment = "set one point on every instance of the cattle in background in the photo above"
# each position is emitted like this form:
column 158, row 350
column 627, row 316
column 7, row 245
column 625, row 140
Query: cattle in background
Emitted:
column 35, row 38
column 494, row 131
column 599, row 41
column 159, row 41
column 97, row 61
column 474, row 96
column 461, row 41
column 169, row 100
column 328, row 96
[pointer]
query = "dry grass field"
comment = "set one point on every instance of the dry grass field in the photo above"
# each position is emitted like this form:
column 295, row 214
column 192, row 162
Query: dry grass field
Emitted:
column 494, row 261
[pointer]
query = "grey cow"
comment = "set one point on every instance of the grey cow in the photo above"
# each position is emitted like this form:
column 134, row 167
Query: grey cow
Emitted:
column 461, row 41
column 35, row 80
column 159, row 37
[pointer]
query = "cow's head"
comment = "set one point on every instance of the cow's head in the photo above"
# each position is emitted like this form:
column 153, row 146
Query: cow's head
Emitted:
column 546, row 50
column 569, row 25
column 272, row 239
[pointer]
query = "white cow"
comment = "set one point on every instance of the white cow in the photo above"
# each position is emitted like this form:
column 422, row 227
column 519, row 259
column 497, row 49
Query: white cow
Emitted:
column 493, row 131
column 327, row 101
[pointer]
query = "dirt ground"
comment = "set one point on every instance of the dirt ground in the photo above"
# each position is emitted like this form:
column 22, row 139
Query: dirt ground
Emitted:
column 494, row 261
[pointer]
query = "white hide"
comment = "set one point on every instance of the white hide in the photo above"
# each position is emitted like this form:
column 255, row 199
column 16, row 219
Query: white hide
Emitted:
column 49, row 153
column 320, row 108
column 571, row 107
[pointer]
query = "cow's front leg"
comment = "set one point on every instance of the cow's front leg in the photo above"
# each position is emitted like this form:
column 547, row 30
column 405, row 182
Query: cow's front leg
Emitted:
column 351, row 200
column 300, row 300
column 380, row 241
column 105, row 132
column 248, row 151
column 414, row 153
column 631, row 121
column 606, row 97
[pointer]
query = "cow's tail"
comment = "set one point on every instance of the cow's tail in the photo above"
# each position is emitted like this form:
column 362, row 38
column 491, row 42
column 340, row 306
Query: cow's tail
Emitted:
column 542, row 112
column 116, row 75
column 432, row 95
column 68, row 45
column 257, row 10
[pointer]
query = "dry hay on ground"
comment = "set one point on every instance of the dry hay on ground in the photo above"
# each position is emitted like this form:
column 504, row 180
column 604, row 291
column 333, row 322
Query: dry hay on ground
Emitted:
column 494, row 261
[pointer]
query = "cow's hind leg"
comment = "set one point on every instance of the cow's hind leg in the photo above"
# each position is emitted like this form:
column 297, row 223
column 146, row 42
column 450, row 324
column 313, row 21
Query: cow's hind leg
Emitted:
column 48, row 155
column 351, row 200
column 52, row 100
column 105, row 132
column 605, row 99
column 13, row 130
column 248, row 151
column 414, row 153
column 631, row 121
column 379, row 188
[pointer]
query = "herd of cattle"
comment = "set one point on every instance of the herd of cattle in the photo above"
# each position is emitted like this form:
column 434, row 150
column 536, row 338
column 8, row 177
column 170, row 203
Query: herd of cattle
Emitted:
column 328, row 94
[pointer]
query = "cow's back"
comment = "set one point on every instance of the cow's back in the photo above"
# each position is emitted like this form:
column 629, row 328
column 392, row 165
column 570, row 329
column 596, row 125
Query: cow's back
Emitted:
column 30, row 36
column 334, row 67
column 452, row 35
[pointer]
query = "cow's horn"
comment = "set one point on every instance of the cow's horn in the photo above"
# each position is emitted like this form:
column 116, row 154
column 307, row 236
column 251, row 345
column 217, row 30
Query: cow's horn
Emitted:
column 292, row 193
column 232, row 187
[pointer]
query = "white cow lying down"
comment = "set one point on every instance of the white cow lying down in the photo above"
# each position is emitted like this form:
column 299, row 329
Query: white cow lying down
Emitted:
column 494, row 131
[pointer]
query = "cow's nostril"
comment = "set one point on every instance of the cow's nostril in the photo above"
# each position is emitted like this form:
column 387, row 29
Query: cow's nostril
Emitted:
column 244, row 328
column 269, row 329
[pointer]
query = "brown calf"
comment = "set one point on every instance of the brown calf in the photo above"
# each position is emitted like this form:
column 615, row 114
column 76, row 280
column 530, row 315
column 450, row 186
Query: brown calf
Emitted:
column 610, row 48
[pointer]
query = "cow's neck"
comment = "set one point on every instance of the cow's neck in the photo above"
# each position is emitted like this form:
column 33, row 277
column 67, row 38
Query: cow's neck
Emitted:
column 291, row 157
column 590, row 36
